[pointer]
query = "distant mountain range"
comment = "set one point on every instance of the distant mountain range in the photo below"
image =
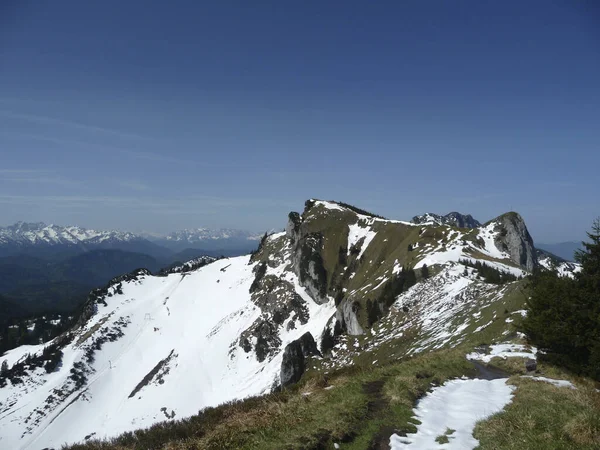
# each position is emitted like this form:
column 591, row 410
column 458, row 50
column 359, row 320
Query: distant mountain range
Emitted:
column 43, row 240
column 46, row 268
column 566, row 250
column 208, row 239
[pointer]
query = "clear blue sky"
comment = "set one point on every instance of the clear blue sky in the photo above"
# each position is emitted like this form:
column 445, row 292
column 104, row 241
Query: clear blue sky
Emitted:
column 162, row 115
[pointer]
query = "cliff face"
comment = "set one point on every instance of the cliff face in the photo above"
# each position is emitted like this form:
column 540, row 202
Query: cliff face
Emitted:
column 513, row 238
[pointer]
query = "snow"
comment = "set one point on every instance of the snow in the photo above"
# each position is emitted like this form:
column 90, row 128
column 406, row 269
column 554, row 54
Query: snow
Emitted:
column 564, row 269
column 437, row 301
column 199, row 235
column 17, row 354
column 332, row 206
column 504, row 351
column 557, row 383
column 356, row 233
column 457, row 405
column 487, row 233
column 194, row 318
column 456, row 249
column 40, row 233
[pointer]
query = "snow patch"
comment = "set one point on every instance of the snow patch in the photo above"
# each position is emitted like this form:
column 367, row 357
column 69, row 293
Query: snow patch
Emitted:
column 457, row 405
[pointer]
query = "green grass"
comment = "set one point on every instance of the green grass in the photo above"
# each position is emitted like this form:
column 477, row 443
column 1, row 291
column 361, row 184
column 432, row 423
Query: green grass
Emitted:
column 443, row 438
column 542, row 416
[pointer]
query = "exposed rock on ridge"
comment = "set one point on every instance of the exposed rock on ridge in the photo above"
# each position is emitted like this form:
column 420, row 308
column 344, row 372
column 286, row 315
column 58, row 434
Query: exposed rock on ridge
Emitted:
column 514, row 239
column 454, row 218
column 294, row 358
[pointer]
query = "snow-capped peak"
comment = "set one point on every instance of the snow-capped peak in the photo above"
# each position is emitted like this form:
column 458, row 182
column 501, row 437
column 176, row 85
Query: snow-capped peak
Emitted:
column 23, row 233
column 197, row 235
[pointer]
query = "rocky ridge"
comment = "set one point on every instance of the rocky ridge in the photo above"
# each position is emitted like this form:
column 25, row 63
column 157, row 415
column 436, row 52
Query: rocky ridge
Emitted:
column 337, row 284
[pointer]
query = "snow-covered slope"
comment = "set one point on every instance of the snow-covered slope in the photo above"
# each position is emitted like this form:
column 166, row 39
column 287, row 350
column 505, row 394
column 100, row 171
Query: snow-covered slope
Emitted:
column 192, row 264
column 152, row 348
column 564, row 268
column 161, row 348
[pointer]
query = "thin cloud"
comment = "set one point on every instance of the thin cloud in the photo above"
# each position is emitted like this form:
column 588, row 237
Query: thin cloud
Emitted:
column 70, row 124
column 121, row 151
column 35, row 176
column 134, row 185
column 478, row 198
column 20, row 171
column 42, row 180
column 182, row 204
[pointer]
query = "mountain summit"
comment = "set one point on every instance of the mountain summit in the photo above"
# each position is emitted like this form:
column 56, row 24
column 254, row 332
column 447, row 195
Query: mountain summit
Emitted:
column 455, row 219
column 339, row 282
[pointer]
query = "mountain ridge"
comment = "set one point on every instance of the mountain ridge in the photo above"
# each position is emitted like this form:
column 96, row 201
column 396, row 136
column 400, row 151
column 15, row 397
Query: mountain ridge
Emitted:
column 335, row 273
column 39, row 238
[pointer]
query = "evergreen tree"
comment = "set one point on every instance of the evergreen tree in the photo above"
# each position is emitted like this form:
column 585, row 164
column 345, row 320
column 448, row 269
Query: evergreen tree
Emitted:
column 373, row 312
column 425, row 272
column 563, row 317
column 589, row 257
column 327, row 341
column 4, row 367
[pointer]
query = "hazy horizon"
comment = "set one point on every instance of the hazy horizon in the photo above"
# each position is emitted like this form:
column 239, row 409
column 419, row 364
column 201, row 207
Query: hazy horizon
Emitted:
column 160, row 117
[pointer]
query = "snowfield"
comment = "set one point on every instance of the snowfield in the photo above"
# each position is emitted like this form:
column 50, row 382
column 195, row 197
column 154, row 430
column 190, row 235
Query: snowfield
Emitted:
column 357, row 234
column 177, row 354
column 453, row 410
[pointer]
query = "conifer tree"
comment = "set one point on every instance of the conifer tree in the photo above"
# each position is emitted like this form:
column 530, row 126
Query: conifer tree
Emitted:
column 563, row 317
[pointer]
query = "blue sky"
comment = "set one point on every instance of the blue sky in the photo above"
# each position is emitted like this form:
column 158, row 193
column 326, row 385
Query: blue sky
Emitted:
column 163, row 115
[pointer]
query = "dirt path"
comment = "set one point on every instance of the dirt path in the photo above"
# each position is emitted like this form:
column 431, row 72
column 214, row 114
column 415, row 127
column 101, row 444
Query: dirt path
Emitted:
column 489, row 372
column 377, row 406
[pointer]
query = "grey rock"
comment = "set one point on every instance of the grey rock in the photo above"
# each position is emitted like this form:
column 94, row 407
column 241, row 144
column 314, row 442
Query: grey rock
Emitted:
column 295, row 355
column 454, row 218
column 292, row 228
column 346, row 315
column 531, row 365
column 514, row 239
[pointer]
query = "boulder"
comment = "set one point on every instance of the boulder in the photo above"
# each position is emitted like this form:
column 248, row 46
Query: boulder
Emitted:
column 531, row 365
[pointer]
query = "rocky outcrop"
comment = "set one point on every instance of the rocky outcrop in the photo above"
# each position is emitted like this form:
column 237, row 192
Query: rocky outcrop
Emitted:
column 292, row 228
column 513, row 238
column 278, row 302
column 347, row 318
column 294, row 361
column 306, row 258
column 454, row 219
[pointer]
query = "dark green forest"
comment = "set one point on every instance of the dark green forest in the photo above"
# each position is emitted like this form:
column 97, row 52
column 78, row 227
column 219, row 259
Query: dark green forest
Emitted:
column 563, row 317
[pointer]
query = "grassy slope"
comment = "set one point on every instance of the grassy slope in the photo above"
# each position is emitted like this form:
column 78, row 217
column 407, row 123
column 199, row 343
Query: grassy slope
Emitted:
column 542, row 416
